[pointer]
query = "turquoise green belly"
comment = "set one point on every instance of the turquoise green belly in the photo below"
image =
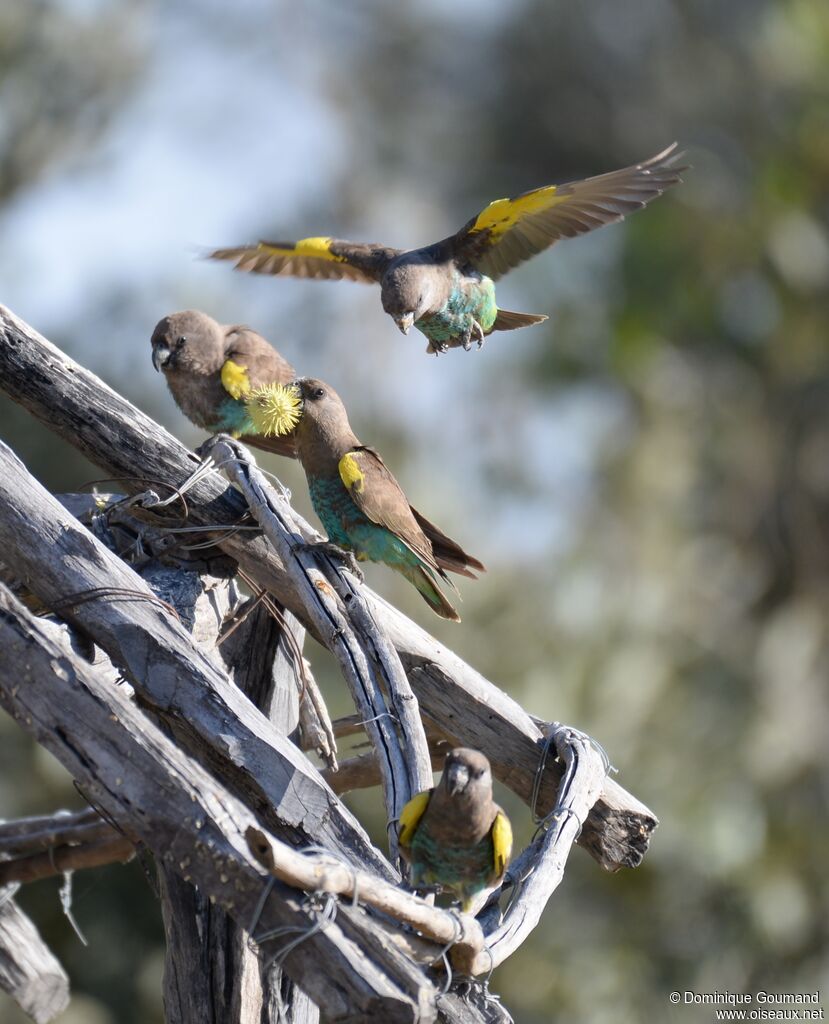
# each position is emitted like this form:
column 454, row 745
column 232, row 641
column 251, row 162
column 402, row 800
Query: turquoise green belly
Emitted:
column 466, row 306
column 346, row 525
column 232, row 418
column 464, row 869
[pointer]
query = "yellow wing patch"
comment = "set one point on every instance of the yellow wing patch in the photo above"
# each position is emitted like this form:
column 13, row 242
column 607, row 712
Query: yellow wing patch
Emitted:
column 410, row 817
column 318, row 248
column 350, row 473
column 235, row 379
column 501, row 842
column 502, row 214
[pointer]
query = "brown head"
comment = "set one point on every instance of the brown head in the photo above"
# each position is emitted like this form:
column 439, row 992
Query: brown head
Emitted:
column 410, row 288
column 467, row 775
column 323, row 433
column 190, row 342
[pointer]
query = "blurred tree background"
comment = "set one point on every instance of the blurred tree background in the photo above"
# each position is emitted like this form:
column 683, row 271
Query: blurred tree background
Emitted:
column 646, row 475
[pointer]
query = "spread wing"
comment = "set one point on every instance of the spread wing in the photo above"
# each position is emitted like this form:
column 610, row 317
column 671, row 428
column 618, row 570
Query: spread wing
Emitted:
column 319, row 258
column 410, row 817
column 501, row 842
column 251, row 363
column 510, row 231
column 379, row 497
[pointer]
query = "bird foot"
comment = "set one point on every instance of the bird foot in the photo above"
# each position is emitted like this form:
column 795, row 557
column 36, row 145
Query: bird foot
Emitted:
column 427, row 893
column 344, row 558
column 476, row 332
column 438, row 347
column 477, row 329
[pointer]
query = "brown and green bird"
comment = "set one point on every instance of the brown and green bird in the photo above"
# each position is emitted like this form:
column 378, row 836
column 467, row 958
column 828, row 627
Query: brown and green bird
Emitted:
column 455, row 835
column 447, row 289
column 359, row 502
column 211, row 369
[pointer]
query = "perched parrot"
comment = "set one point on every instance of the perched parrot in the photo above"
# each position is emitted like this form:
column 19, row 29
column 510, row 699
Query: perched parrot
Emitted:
column 455, row 835
column 359, row 502
column 211, row 369
column 447, row 289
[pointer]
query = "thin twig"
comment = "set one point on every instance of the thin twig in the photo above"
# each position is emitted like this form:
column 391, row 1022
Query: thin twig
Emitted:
column 58, row 860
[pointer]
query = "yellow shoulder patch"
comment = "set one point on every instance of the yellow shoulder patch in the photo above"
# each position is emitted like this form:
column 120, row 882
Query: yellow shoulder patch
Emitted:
column 318, row 248
column 501, row 842
column 235, row 379
column 410, row 817
column 502, row 214
column 350, row 472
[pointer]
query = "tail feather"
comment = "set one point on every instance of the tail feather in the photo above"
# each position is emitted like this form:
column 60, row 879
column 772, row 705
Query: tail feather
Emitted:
column 449, row 555
column 430, row 593
column 506, row 320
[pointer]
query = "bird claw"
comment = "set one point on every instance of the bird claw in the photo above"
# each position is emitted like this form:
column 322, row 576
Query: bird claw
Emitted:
column 344, row 558
column 438, row 347
column 476, row 332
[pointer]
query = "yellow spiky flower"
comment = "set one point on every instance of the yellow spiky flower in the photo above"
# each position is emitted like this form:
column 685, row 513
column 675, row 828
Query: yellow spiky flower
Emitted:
column 274, row 409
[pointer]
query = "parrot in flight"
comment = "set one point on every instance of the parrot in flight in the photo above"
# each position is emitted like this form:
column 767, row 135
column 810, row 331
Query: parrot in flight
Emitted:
column 447, row 289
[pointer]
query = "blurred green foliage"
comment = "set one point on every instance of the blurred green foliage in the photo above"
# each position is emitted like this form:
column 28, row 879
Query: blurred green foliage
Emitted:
column 647, row 476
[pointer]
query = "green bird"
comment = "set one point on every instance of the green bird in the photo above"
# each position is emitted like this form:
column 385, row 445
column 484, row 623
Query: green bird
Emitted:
column 211, row 369
column 359, row 502
column 447, row 289
column 455, row 835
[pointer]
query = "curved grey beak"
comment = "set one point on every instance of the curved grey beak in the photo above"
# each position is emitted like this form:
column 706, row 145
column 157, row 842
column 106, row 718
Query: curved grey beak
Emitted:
column 456, row 777
column 161, row 356
column 405, row 322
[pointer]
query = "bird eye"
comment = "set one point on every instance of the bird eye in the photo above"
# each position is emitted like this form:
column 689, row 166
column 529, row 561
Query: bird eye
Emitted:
column 318, row 393
column 180, row 341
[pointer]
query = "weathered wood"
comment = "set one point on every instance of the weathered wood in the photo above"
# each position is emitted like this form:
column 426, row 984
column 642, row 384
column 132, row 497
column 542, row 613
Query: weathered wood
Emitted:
column 264, row 659
column 28, row 835
column 538, row 871
column 211, row 976
column 29, row 972
column 212, row 971
column 188, row 819
column 339, row 613
column 126, row 443
column 329, row 875
column 70, row 571
column 362, row 771
column 57, row 860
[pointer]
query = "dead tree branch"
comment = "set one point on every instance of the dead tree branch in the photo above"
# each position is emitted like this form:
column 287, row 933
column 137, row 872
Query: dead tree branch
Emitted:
column 189, row 820
column 464, row 706
column 539, row 869
column 351, row 634
column 73, row 573
column 29, row 972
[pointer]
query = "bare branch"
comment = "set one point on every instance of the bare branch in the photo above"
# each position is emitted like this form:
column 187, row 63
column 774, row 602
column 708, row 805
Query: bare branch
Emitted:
column 190, row 821
column 25, row 835
column 28, row 970
column 538, row 871
column 467, row 708
column 72, row 572
column 350, row 634
column 324, row 874
column 113, row 849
